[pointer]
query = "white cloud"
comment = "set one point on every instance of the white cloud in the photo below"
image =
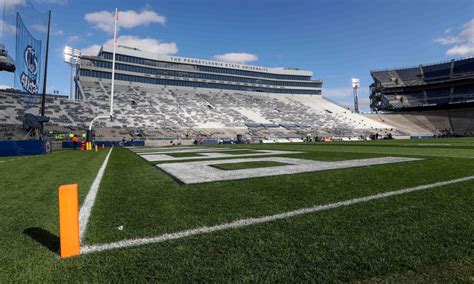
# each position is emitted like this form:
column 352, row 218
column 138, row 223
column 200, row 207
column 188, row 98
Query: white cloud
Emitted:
column 91, row 50
column 44, row 29
column 337, row 92
column 59, row 2
column 463, row 42
column 462, row 50
column 468, row 31
column 73, row 38
column 9, row 4
column 12, row 3
column 9, row 29
column 104, row 20
column 344, row 97
column 40, row 28
column 144, row 44
column 448, row 40
column 236, row 57
column 4, row 87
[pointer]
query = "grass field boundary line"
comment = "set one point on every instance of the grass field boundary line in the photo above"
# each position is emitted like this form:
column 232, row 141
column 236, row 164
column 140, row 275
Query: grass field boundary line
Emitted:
column 14, row 159
column 86, row 208
column 259, row 220
column 29, row 156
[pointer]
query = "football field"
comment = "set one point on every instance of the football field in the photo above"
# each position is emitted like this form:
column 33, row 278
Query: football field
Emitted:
column 399, row 211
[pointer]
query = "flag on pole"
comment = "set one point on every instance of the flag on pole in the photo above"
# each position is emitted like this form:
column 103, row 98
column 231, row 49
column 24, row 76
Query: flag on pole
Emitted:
column 113, row 66
column 116, row 22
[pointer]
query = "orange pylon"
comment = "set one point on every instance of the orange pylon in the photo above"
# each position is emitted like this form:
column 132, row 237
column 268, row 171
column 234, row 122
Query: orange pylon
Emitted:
column 69, row 220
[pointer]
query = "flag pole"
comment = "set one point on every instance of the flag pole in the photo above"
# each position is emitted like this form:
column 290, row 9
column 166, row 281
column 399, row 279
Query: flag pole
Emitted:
column 113, row 67
column 43, row 96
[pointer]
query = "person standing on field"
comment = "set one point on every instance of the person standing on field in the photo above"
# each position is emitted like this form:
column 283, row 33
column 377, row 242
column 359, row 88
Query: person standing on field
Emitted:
column 75, row 140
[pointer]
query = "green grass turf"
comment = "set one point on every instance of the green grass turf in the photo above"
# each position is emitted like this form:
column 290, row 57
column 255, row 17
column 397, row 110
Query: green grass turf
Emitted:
column 194, row 154
column 463, row 149
column 247, row 165
column 183, row 155
column 240, row 152
column 29, row 202
column 419, row 237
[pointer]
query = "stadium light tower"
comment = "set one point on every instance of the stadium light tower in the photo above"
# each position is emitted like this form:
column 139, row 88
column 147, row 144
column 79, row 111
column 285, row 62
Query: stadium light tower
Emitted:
column 355, row 91
column 71, row 57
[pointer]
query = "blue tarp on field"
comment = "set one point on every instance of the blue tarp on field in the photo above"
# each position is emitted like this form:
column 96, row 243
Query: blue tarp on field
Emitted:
column 22, row 148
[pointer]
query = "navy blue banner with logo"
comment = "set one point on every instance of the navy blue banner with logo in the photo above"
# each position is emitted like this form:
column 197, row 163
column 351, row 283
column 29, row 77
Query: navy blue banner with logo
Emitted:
column 28, row 60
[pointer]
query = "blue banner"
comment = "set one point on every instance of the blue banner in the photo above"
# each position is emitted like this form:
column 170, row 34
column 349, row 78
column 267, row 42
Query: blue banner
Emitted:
column 24, row 147
column 28, row 60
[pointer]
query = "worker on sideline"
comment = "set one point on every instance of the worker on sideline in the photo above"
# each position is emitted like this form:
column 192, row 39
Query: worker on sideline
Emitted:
column 75, row 140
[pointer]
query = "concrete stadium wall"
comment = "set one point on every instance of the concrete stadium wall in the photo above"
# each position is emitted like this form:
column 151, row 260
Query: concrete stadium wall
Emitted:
column 459, row 121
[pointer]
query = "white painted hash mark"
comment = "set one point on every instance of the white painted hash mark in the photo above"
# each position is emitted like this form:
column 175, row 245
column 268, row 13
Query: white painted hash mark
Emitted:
column 265, row 219
column 200, row 172
column 86, row 208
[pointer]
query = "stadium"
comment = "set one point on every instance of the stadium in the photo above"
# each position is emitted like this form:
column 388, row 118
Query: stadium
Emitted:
column 157, row 167
column 164, row 97
column 438, row 97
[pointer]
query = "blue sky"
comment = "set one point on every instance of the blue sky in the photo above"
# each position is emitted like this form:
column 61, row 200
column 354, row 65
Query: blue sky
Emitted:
column 335, row 39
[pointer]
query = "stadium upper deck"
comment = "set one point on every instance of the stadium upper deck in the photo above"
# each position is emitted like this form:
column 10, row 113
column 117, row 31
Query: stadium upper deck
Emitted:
column 133, row 65
column 425, row 85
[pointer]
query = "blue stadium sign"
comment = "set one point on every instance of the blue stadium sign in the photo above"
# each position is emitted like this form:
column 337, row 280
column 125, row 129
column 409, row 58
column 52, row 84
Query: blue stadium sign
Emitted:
column 28, row 54
column 29, row 80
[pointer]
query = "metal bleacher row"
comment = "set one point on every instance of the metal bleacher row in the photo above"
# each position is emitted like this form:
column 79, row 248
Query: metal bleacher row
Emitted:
column 425, row 74
column 443, row 95
column 160, row 112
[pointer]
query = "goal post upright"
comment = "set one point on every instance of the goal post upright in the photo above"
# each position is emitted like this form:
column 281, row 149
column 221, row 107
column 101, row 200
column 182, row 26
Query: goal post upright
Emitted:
column 111, row 112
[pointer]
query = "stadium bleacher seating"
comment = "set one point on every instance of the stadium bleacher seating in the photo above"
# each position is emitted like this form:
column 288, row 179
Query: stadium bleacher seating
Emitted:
column 438, row 96
column 440, row 84
column 437, row 72
column 168, row 111
column 464, row 67
column 463, row 93
column 410, row 76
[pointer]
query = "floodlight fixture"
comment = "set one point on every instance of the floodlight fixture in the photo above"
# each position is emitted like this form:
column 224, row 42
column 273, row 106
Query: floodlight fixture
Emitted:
column 72, row 58
column 355, row 83
column 355, row 92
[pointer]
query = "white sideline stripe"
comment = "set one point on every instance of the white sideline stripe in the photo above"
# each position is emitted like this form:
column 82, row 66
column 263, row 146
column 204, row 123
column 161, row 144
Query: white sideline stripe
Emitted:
column 252, row 221
column 30, row 156
column 86, row 207
column 15, row 159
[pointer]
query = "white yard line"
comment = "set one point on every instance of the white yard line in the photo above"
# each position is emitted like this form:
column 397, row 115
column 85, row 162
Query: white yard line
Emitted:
column 170, row 149
column 199, row 172
column 265, row 219
column 214, row 155
column 193, row 151
column 86, row 207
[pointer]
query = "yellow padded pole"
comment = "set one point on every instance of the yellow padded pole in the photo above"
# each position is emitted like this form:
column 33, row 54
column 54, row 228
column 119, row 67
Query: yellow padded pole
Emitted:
column 69, row 220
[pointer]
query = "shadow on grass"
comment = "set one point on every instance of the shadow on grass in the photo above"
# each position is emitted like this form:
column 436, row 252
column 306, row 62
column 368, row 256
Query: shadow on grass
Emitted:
column 44, row 237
